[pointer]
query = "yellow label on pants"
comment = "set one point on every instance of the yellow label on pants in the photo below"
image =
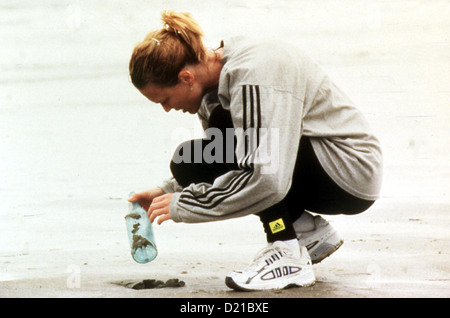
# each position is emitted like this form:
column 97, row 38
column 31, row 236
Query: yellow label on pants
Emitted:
column 277, row 226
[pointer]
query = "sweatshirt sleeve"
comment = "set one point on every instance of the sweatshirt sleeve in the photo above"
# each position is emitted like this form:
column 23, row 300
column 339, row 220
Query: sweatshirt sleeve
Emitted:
column 267, row 124
column 170, row 185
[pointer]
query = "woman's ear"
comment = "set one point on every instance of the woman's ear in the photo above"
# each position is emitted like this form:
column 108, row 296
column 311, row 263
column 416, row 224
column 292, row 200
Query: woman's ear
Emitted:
column 186, row 77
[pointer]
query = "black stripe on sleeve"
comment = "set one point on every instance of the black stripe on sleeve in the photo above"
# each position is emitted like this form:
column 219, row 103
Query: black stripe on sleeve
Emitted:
column 244, row 115
column 213, row 190
column 258, row 114
column 239, row 183
column 252, row 104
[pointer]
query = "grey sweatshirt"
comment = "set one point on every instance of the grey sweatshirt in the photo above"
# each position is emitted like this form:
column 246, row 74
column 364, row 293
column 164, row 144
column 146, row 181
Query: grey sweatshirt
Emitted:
column 275, row 95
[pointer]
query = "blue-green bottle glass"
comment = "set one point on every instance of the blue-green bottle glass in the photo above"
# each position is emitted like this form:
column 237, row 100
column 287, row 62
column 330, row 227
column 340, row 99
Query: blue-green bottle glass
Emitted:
column 140, row 234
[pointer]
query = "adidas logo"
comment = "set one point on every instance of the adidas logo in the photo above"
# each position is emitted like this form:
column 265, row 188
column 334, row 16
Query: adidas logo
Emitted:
column 277, row 226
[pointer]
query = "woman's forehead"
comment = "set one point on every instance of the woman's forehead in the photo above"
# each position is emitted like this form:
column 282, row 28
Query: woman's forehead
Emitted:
column 154, row 93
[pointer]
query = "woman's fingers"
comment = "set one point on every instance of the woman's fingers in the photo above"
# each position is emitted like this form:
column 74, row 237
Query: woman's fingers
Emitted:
column 145, row 195
column 134, row 197
column 163, row 218
column 155, row 210
column 160, row 208
column 148, row 195
column 161, row 214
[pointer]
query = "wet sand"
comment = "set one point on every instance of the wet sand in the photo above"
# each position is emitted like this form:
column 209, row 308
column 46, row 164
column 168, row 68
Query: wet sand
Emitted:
column 76, row 138
column 393, row 250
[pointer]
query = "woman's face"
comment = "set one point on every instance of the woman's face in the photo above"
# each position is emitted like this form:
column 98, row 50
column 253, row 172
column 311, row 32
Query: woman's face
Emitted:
column 183, row 96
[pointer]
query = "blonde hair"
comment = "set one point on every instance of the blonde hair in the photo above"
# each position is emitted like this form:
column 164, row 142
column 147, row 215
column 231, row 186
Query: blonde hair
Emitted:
column 163, row 53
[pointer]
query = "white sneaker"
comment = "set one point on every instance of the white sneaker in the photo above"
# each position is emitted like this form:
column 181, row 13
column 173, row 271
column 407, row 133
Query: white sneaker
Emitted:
column 322, row 241
column 276, row 266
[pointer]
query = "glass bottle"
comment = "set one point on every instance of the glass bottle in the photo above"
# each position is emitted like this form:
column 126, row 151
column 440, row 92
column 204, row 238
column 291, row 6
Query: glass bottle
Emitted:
column 140, row 234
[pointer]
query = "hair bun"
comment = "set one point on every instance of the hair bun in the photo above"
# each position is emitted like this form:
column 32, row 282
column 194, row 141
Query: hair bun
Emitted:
column 173, row 21
column 182, row 24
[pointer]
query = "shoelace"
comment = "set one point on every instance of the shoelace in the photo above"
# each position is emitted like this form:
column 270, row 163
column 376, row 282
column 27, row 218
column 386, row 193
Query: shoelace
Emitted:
column 276, row 252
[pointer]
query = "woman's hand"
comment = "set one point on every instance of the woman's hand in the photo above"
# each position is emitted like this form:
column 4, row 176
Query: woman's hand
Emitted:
column 160, row 208
column 156, row 202
column 146, row 198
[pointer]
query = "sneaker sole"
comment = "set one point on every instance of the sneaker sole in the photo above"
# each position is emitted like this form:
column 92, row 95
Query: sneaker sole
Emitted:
column 325, row 245
column 324, row 250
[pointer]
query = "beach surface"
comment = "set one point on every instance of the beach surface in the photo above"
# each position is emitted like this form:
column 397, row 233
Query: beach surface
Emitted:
column 76, row 138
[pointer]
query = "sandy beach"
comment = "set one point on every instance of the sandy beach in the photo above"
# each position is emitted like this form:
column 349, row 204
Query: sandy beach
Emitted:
column 76, row 138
